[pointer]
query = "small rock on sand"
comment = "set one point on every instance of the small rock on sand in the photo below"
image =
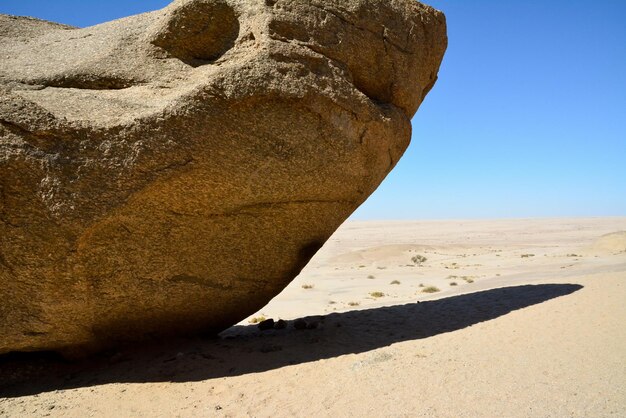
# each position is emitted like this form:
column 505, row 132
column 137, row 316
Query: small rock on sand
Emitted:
column 266, row 325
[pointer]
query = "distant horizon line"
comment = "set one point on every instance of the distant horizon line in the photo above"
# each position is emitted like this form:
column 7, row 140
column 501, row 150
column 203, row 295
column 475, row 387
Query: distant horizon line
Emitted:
column 537, row 218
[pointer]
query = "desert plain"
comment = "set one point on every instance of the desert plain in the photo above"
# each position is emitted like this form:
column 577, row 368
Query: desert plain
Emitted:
column 450, row 318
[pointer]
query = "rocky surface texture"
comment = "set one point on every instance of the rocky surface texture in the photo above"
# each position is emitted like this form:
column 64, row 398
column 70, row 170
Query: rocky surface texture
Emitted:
column 171, row 172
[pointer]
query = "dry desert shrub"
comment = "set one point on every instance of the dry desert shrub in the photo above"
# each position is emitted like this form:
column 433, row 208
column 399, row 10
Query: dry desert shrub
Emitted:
column 257, row 319
column 418, row 259
column 430, row 289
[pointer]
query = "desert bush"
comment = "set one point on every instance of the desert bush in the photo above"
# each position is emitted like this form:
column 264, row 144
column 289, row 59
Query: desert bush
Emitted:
column 430, row 289
column 418, row 259
column 257, row 319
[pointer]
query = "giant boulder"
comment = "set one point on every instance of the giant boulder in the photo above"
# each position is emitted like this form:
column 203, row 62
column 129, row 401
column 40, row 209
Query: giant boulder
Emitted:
column 171, row 172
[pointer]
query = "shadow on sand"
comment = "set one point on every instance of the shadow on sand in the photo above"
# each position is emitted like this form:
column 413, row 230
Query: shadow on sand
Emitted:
column 245, row 349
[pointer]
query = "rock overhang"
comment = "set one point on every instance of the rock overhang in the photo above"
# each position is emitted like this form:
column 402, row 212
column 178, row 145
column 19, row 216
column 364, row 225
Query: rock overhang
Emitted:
column 192, row 169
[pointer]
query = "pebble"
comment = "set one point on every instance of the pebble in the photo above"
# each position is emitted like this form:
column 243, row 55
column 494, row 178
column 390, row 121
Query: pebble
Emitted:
column 266, row 325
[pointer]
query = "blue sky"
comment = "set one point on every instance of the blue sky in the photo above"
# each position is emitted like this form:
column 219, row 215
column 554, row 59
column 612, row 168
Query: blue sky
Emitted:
column 528, row 118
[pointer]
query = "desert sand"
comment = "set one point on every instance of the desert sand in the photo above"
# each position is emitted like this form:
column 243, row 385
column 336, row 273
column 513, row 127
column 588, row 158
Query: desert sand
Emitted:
column 529, row 320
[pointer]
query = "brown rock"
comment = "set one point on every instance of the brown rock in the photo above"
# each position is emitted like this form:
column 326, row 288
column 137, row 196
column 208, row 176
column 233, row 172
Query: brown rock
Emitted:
column 171, row 172
column 299, row 324
column 280, row 324
column 266, row 325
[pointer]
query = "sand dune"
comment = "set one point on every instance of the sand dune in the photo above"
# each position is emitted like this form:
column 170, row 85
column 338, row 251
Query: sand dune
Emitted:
column 386, row 253
column 533, row 326
column 613, row 243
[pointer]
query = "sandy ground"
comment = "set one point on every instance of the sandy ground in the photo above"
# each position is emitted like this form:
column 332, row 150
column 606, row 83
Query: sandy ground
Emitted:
column 534, row 325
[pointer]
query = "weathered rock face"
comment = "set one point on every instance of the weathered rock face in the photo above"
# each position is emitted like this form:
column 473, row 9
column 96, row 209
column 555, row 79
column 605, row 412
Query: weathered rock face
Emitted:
column 171, row 172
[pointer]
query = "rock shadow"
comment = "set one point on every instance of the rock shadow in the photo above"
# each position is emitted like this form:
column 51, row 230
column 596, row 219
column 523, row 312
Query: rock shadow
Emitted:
column 245, row 349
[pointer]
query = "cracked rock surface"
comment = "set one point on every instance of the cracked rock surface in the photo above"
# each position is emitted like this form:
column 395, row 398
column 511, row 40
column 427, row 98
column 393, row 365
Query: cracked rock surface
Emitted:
column 169, row 173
